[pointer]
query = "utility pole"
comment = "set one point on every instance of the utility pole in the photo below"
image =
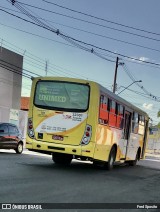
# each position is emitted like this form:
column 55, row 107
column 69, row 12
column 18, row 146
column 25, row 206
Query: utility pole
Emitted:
column 46, row 67
column 1, row 45
column 115, row 76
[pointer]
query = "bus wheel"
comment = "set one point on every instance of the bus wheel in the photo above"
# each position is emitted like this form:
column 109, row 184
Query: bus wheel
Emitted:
column 61, row 159
column 133, row 162
column 111, row 159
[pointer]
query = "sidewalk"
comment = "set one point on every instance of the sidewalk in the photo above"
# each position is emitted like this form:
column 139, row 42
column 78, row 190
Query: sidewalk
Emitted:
column 153, row 155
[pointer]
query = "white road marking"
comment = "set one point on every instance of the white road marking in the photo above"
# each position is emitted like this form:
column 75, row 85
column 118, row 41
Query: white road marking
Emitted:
column 36, row 154
column 43, row 155
column 153, row 160
column 49, row 156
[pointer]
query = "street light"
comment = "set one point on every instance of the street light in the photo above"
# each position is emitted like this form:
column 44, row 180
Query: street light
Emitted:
column 129, row 86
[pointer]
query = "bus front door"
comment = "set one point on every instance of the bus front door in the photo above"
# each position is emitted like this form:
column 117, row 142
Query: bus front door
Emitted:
column 126, row 132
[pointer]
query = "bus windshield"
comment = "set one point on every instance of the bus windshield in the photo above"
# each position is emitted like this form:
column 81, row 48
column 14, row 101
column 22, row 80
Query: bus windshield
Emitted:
column 63, row 96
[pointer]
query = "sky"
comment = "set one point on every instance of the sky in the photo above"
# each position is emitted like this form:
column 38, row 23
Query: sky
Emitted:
column 93, row 33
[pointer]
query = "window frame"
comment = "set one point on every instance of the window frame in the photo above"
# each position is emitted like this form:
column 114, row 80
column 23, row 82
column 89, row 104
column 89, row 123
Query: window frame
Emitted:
column 103, row 111
column 61, row 108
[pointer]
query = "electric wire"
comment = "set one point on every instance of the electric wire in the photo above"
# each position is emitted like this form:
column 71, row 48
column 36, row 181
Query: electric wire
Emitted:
column 22, row 52
column 65, row 37
column 138, row 84
column 137, row 92
column 102, row 19
column 10, row 68
column 52, row 66
column 16, row 68
column 84, row 48
column 14, row 71
column 73, row 40
column 107, row 50
column 85, row 31
column 112, row 28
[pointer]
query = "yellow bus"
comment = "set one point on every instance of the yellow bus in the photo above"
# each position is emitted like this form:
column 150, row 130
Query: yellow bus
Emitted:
column 79, row 119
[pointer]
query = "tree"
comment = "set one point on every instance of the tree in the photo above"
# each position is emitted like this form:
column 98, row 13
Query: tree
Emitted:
column 158, row 115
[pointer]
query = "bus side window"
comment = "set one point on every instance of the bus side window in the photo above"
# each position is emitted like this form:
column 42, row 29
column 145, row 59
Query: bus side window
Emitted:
column 120, row 116
column 141, row 125
column 103, row 113
column 112, row 113
column 135, row 123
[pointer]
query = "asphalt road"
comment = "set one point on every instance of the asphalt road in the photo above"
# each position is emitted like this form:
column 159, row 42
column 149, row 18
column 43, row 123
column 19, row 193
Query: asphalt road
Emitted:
column 32, row 178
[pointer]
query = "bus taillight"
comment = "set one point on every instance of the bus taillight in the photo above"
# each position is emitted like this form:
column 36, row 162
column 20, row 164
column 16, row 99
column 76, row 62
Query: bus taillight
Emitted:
column 30, row 128
column 87, row 135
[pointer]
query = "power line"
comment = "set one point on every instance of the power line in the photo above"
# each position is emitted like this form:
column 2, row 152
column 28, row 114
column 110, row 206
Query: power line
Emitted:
column 92, row 50
column 73, row 41
column 53, row 66
column 107, row 37
column 16, row 68
column 112, row 28
column 102, row 19
column 138, row 93
column 142, row 87
column 14, row 71
column 30, row 58
column 13, row 68
column 140, row 63
column 85, row 31
column 39, row 60
column 65, row 37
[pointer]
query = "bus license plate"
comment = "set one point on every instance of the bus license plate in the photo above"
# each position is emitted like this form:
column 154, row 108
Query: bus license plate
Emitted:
column 57, row 137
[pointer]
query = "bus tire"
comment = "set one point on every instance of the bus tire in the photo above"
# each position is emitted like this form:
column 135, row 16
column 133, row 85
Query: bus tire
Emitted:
column 134, row 162
column 61, row 159
column 111, row 159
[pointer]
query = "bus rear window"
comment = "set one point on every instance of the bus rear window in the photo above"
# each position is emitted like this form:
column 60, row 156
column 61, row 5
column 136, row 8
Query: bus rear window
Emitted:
column 65, row 96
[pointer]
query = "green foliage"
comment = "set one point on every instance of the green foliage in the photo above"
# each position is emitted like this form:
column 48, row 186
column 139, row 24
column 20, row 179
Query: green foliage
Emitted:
column 158, row 125
column 158, row 115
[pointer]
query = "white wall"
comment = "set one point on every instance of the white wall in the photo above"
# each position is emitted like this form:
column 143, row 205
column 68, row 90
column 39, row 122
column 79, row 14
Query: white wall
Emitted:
column 153, row 144
column 10, row 82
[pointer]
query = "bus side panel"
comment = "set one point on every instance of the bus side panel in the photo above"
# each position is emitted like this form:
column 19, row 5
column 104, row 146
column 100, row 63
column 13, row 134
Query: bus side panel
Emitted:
column 135, row 141
column 92, row 120
column 146, row 133
column 106, row 138
column 103, row 141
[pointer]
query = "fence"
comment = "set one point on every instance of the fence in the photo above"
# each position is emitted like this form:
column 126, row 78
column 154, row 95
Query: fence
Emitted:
column 153, row 145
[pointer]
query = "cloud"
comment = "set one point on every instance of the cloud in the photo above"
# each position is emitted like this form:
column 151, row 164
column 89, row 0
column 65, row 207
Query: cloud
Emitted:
column 143, row 59
column 148, row 106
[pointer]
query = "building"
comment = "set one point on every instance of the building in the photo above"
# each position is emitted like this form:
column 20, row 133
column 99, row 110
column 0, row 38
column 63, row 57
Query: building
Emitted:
column 10, row 84
column 23, row 116
column 25, row 103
